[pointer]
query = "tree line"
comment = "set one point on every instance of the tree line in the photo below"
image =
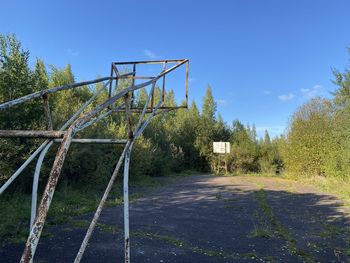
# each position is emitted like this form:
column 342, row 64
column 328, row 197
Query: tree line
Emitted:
column 316, row 142
column 174, row 142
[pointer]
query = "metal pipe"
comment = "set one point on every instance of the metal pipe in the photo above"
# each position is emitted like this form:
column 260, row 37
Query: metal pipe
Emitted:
column 100, row 117
column 56, row 89
column 150, row 61
column 31, row 134
column 145, row 107
column 35, row 184
column 126, row 204
column 48, row 91
column 95, row 141
column 163, row 84
column 110, row 83
column 144, row 125
column 187, row 66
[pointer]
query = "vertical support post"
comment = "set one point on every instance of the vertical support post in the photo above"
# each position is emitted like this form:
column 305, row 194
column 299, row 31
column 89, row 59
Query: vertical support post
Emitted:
column 128, row 114
column 110, row 83
column 187, row 65
column 46, row 106
column 133, row 83
column 218, row 164
column 126, row 204
column 114, row 68
column 163, row 89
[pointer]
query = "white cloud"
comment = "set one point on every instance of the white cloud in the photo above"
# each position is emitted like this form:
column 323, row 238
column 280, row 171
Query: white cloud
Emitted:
column 73, row 53
column 221, row 102
column 315, row 91
column 267, row 92
column 286, row 97
column 151, row 54
column 191, row 79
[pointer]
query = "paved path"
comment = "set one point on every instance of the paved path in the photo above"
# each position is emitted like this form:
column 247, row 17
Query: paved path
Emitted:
column 211, row 219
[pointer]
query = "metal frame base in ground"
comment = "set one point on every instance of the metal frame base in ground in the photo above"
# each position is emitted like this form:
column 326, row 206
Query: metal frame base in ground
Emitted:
column 119, row 100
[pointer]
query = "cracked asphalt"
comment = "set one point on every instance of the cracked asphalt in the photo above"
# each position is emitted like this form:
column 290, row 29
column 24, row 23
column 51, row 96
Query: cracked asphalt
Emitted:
column 207, row 218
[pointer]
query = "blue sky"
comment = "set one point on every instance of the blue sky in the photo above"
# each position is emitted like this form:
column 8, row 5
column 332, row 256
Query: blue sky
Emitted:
column 262, row 59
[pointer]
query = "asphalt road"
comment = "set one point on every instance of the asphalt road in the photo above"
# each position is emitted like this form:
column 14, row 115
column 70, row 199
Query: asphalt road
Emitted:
column 210, row 219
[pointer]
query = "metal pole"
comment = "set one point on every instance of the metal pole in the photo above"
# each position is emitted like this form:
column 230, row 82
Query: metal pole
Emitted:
column 187, row 66
column 34, row 134
column 96, row 141
column 47, row 91
column 35, row 184
column 126, row 204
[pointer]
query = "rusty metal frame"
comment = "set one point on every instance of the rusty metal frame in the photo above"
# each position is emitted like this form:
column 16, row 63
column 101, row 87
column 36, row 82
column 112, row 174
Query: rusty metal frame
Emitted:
column 79, row 121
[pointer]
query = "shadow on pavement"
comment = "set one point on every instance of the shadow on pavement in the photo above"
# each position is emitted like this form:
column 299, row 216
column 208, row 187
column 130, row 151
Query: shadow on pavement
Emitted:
column 209, row 219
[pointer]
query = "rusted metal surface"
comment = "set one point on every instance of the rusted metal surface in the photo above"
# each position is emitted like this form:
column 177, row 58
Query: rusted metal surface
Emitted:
column 100, row 117
column 37, row 227
column 31, row 134
column 47, row 91
column 33, row 239
column 163, row 84
column 96, row 141
column 78, row 122
column 133, row 83
column 187, row 69
column 127, row 101
column 126, row 204
column 150, row 61
column 35, row 184
column 110, row 83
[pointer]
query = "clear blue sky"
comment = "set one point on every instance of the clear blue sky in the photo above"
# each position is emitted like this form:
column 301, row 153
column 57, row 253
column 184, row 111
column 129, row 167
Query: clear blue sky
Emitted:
column 263, row 59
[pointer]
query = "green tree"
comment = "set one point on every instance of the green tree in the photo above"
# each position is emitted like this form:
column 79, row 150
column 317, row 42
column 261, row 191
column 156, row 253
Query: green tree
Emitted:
column 309, row 140
column 16, row 80
column 206, row 130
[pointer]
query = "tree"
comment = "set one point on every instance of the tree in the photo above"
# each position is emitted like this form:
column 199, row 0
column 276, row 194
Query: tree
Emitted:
column 309, row 140
column 206, row 130
column 16, row 80
column 342, row 80
column 209, row 106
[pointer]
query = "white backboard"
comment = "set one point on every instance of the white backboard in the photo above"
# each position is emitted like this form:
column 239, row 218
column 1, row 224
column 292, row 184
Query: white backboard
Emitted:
column 221, row 147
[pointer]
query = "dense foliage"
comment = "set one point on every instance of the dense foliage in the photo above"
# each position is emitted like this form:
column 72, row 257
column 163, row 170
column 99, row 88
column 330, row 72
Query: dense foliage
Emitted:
column 318, row 139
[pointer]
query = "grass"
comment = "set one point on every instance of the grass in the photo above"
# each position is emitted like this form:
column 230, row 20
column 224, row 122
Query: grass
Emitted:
column 67, row 204
column 279, row 228
column 183, row 244
column 335, row 186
